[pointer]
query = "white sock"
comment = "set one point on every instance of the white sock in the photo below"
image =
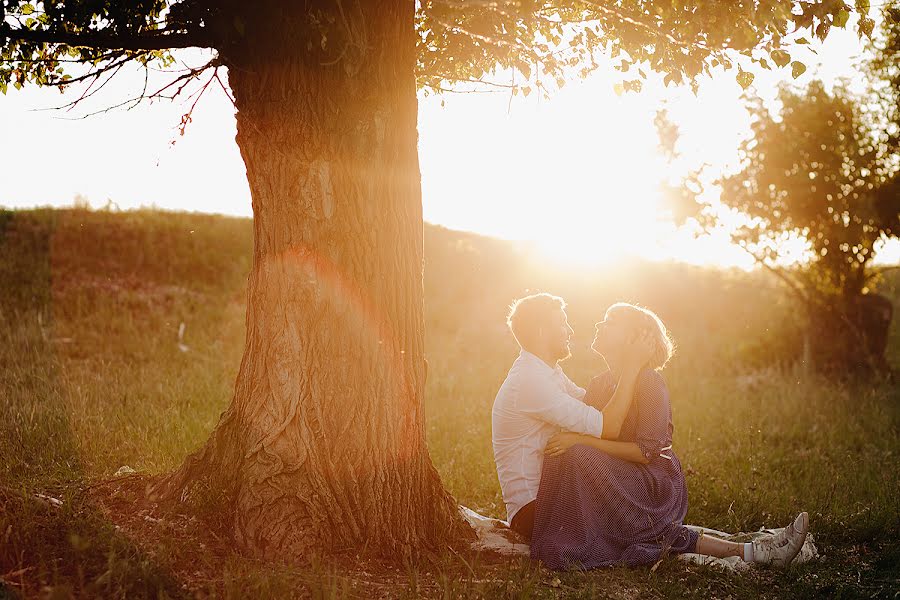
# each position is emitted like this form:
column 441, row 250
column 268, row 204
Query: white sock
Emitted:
column 748, row 552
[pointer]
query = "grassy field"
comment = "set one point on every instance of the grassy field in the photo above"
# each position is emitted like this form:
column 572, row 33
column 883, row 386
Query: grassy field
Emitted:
column 121, row 333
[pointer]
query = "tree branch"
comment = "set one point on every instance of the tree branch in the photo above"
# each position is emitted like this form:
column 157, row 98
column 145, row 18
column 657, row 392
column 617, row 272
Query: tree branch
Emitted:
column 157, row 40
column 87, row 93
column 182, row 81
column 873, row 273
column 653, row 29
column 96, row 72
column 795, row 287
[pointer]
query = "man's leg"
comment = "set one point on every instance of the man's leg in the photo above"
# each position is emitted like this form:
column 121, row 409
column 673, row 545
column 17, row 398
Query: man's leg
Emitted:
column 523, row 522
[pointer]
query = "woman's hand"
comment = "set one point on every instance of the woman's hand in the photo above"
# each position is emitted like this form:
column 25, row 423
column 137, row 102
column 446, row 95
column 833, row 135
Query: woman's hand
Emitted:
column 560, row 442
column 636, row 353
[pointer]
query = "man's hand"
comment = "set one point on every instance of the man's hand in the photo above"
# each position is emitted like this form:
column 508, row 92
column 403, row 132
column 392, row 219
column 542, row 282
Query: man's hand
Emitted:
column 637, row 353
column 560, row 442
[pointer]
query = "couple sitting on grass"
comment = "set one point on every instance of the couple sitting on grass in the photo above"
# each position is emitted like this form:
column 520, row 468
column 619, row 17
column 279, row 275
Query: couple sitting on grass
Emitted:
column 590, row 477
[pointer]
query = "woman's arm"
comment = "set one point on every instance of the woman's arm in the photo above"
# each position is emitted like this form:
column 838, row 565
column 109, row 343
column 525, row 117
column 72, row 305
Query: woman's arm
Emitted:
column 632, row 358
column 616, row 410
column 629, row 451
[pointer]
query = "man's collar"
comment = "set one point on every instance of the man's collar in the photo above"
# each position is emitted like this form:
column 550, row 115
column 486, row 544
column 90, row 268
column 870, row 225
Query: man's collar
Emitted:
column 533, row 358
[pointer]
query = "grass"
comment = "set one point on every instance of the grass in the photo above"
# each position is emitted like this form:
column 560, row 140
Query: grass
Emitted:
column 92, row 378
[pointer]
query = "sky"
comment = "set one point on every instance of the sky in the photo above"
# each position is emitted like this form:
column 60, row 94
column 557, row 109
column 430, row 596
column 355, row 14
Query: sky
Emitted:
column 578, row 175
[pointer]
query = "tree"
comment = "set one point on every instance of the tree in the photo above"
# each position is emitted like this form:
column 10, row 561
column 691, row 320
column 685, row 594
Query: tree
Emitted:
column 884, row 74
column 822, row 171
column 323, row 445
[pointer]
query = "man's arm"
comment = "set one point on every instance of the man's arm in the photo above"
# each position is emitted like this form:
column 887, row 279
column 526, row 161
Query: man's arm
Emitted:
column 545, row 400
column 573, row 389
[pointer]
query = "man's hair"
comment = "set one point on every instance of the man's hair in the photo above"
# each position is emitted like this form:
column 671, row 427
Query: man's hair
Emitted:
column 528, row 315
column 643, row 320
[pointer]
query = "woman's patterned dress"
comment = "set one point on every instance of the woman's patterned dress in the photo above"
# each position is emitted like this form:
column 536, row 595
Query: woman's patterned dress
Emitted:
column 596, row 510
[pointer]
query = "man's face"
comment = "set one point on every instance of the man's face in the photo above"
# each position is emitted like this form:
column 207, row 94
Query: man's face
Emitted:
column 557, row 336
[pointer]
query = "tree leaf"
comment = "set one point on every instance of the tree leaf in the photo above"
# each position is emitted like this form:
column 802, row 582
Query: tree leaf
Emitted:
column 802, row 40
column 841, row 18
column 866, row 26
column 797, row 69
column 744, row 78
column 780, row 57
column 524, row 68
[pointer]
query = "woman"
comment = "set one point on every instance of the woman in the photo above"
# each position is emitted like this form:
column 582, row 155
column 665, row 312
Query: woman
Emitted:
column 605, row 502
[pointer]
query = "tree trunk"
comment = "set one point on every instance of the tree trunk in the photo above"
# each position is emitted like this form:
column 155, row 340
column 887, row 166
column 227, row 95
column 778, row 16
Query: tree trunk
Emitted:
column 323, row 447
column 849, row 334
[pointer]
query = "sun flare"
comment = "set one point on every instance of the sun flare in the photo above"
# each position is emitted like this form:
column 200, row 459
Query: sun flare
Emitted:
column 582, row 191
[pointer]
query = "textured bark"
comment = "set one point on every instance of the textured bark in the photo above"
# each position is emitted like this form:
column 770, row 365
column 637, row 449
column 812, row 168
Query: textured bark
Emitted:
column 323, row 446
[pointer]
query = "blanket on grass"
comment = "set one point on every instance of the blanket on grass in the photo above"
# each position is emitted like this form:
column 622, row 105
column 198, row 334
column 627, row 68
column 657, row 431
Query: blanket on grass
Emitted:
column 495, row 535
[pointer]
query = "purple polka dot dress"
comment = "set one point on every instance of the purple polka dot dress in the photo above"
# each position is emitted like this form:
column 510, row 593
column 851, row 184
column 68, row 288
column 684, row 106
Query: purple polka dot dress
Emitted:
column 595, row 510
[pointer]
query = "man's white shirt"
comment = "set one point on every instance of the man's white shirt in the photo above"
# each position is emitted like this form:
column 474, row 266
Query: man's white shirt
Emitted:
column 534, row 402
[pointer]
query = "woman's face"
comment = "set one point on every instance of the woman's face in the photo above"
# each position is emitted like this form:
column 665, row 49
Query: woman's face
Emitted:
column 611, row 333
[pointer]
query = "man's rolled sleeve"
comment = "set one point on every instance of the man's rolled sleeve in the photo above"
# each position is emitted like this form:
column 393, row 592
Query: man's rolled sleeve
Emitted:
column 553, row 405
column 574, row 390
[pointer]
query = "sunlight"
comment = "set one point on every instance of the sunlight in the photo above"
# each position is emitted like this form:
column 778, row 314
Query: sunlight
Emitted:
column 603, row 225
column 576, row 176
column 583, row 189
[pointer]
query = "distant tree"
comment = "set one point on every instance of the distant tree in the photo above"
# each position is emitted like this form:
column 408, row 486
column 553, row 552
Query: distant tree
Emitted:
column 884, row 74
column 323, row 446
column 820, row 170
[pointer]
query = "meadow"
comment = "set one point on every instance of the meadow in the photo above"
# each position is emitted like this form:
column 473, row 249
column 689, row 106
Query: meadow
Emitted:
column 121, row 334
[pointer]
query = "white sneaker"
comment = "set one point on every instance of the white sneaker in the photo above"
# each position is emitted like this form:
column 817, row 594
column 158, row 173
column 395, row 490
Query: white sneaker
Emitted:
column 782, row 548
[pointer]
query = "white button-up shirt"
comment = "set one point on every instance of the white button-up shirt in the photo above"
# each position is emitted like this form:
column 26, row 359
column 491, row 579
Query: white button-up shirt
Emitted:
column 534, row 402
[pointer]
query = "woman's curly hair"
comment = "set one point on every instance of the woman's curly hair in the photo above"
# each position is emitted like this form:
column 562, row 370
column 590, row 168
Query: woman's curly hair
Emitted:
column 645, row 321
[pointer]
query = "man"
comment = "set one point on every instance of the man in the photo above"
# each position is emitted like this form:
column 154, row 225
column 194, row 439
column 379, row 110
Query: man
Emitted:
column 537, row 400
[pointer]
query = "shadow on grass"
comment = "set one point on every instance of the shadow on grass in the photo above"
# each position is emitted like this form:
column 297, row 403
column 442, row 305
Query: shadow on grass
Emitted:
column 53, row 542
column 72, row 550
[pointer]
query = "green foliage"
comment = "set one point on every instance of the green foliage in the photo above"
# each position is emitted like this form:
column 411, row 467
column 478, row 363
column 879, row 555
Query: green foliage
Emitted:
column 884, row 75
column 25, row 56
column 541, row 42
column 817, row 170
column 98, row 381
